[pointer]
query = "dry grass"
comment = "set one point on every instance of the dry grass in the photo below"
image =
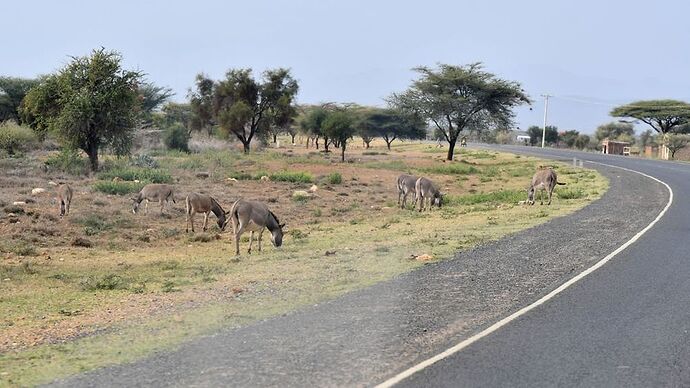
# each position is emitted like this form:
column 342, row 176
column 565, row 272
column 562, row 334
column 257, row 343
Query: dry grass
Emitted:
column 67, row 309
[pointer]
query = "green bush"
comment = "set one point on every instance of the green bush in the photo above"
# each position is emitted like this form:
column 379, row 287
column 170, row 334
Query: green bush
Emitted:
column 144, row 160
column 335, row 178
column 119, row 188
column 176, row 137
column 137, row 173
column 15, row 138
column 294, row 177
column 106, row 282
column 69, row 161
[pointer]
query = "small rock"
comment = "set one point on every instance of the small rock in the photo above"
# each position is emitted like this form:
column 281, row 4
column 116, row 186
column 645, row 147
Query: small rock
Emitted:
column 136, row 181
column 18, row 203
column 203, row 174
column 38, row 191
column 424, row 257
column 313, row 188
column 117, row 179
column 231, row 179
column 81, row 242
column 264, row 178
column 300, row 193
column 51, row 183
column 329, row 253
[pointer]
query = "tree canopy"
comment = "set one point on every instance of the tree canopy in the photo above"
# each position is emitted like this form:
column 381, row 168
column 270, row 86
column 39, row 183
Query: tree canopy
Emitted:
column 339, row 125
column 614, row 131
column 535, row 134
column 239, row 104
column 12, row 92
column 89, row 104
column 389, row 124
column 662, row 115
column 152, row 97
column 455, row 98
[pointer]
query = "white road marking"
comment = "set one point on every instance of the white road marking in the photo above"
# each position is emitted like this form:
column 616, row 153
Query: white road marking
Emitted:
column 462, row 345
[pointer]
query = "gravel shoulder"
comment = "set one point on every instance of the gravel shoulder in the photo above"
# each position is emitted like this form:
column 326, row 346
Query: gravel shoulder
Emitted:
column 368, row 335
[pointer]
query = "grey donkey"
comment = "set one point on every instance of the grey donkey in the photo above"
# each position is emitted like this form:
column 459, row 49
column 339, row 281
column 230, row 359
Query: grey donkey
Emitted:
column 64, row 198
column 254, row 216
column 406, row 185
column 201, row 203
column 543, row 180
column 153, row 192
column 426, row 192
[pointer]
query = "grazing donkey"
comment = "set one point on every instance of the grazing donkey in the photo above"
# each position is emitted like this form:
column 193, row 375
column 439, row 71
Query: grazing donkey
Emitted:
column 200, row 203
column 405, row 187
column 543, row 180
column 425, row 190
column 254, row 217
column 153, row 192
column 64, row 197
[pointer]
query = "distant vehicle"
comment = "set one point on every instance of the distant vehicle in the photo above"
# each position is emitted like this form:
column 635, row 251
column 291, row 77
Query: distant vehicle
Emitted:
column 523, row 138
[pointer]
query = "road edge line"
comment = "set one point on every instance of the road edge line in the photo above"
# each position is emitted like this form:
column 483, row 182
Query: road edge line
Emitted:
column 496, row 326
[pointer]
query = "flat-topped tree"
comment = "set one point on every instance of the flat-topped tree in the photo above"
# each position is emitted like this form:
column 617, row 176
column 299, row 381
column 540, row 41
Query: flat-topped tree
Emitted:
column 339, row 125
column 91, row 103
column 452, row 98
column 662, row 115
column 389, row 124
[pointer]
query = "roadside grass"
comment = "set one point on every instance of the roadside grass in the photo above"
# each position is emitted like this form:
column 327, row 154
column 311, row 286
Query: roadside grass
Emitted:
column 178, row 285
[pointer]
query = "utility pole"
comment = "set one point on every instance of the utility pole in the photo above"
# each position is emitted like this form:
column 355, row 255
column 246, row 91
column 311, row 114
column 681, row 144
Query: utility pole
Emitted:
column 546, row 112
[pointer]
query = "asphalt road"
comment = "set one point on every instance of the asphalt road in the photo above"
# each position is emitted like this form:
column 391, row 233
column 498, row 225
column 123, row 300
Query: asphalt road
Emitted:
column 626, row 324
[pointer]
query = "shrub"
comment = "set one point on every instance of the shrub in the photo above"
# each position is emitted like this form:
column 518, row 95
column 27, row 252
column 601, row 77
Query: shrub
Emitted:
column 137, row 173
column 144, row 160
column 176, row 137
column 106, row 282
column 335, row 178
column 118, row 188
column 15, row 138
column 69, row 161
column 294, row 177
column 94, row 224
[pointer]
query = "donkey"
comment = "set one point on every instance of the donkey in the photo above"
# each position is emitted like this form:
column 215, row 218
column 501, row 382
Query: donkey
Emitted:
column 425, row 190
column 405, row 187
column 153, row 192
column 254, row 217
column 200, row 203
column 64, row 198
column 543, row 180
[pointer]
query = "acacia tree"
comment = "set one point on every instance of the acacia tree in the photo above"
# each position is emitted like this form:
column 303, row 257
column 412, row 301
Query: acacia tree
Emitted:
column 241, row 105
column 89, row 104
column 662, row 115
column 312, row 124
column 201, row 103
column 614, row 131
column 390, row 125
column 569, row 137
column 339, row 125
column 675, row 142
column 282, row 117
column 152, row 97
column 452, row 98
column 12, row 92
column 535, row 134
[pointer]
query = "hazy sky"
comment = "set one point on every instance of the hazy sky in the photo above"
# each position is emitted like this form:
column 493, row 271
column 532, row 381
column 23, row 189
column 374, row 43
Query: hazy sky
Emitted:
column 589, row 54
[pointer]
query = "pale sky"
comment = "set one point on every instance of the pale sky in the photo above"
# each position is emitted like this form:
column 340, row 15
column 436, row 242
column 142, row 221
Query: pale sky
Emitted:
column 589, row 54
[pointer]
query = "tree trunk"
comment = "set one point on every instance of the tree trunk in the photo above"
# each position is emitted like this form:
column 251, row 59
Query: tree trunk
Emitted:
column 92, row 151
column 388, row 144
column 367, row 144
column 317, row 142
column 275, row 138
column 326, row 142
column 342, row 151
column 245, row 145
column 451, row 148
column 293, row 138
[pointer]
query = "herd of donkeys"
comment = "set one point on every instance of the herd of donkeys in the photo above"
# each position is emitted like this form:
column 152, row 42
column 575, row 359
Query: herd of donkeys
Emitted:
column 255, row 216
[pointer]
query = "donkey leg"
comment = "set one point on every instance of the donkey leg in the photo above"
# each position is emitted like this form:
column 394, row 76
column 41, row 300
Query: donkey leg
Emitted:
column 550, row 194
column 261, row 233
column 251, row 240
column 146, row 208
column 237, row 230
column 162, row 203
column 205, row 220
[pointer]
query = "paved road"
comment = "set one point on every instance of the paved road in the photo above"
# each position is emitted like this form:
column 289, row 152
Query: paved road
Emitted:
column 623, row 324
column 627, row 324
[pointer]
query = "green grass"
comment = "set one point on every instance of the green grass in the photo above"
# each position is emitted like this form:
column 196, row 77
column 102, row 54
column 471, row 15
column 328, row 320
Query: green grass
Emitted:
column 571, row 193
column 451, row 169
column 119, row 188
column 137, row 173
column 294, row 177
column 502, row 196
column 335, row 178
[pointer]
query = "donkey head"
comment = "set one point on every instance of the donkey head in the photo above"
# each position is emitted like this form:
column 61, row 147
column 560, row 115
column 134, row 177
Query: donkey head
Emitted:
column 437, row 199
column 277, row 235
column 222, row 221
column 135, row 205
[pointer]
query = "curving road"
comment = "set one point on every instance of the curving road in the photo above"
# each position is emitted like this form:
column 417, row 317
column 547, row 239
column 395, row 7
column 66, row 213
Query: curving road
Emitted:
column 625, row 324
